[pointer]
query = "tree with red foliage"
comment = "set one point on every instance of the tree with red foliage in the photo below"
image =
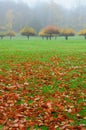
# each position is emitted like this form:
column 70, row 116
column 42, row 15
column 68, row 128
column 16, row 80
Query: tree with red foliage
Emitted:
column 50, row 31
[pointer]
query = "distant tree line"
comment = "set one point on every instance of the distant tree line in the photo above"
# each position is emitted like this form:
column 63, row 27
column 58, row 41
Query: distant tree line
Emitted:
column 14, row 16
column 46, row 33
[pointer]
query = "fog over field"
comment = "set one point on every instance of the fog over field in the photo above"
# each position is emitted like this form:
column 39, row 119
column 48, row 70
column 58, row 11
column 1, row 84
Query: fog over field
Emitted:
column 16, row 14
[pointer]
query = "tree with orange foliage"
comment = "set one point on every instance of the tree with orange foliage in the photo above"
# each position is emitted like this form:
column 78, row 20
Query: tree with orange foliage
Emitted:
column 27, row 31
column 42, row 34
column 82, row 33
column 2, row 32
column 2, row 35
column 11, row 34
column 67, row 32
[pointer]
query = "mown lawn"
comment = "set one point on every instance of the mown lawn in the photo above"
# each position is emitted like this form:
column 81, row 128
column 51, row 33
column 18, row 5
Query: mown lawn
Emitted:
column 43, row 84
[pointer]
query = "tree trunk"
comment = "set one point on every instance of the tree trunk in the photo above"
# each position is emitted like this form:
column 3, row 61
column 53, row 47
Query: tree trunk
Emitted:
column 55, row 37
column 50, row 36
column 10, row 37
column 28, row 37
column 43, row 37
column 66, row 37
column 47, row 37
column 1, row 37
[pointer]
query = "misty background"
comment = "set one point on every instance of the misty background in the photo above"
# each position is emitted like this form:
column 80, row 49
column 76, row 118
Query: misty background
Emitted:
column 38, row 14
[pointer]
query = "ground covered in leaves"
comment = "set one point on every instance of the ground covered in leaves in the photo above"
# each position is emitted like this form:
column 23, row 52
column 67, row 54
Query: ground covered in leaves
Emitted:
column 36, row 95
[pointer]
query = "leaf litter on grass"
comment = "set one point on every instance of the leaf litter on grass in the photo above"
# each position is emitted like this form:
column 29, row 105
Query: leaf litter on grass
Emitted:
column 42, row 95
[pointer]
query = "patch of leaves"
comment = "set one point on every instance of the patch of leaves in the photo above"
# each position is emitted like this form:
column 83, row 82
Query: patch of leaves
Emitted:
column 41, row 95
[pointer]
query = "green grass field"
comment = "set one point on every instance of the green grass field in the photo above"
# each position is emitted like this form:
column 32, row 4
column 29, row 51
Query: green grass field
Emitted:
column 43, row 84
column 37, row 47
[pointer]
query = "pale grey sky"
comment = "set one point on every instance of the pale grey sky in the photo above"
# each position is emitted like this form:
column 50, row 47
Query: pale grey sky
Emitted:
column 65, row 3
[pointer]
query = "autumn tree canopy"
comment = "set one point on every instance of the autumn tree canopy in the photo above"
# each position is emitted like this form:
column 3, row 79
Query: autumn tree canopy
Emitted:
column 27, row 31
column 11, row 34
column 2, row 35
column 49, row 31
column 2, row 32
column 67, row 32
column 43, row 34
column 82, row 33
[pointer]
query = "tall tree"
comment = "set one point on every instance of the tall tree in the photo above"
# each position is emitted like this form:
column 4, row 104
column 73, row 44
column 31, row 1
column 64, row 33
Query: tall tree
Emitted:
column 10, row 19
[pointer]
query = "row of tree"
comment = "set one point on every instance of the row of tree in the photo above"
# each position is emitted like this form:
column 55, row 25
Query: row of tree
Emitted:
column 47, row 32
